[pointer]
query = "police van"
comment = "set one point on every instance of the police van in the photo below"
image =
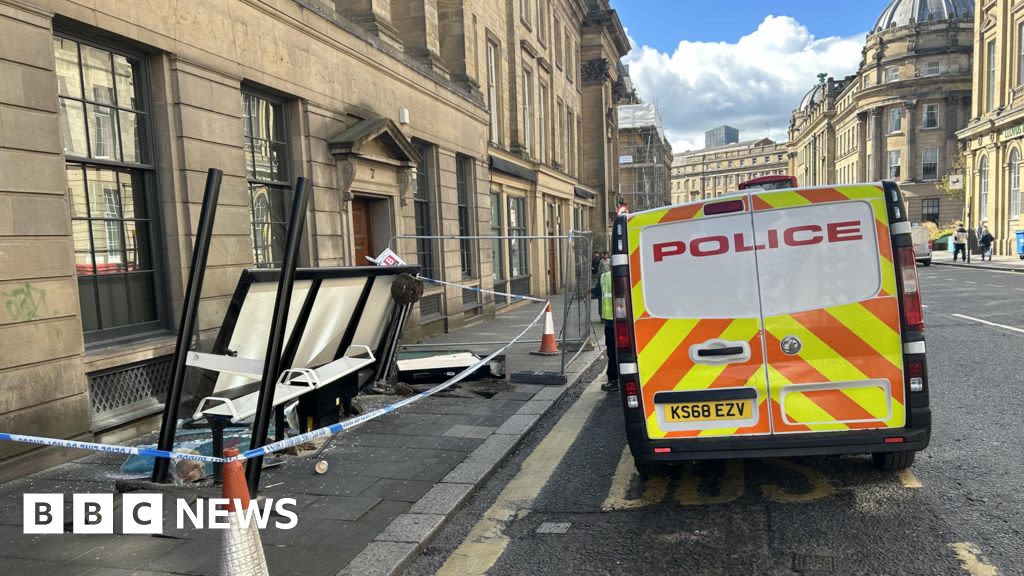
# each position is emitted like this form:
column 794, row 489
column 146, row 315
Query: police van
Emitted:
column 771, row 323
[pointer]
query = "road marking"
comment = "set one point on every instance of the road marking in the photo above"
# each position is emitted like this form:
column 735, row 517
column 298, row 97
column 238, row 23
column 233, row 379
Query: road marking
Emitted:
column 987, row 323
column 730, row 488
column 654, row 490
column 487, row 541
column 909, row 480
column 996, row 286
column 968, row 553
column 924, row 305
column 969, row 282
column 820, row 486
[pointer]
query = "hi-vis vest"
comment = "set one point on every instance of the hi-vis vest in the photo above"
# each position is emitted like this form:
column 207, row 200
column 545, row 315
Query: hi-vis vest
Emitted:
column 606, row 296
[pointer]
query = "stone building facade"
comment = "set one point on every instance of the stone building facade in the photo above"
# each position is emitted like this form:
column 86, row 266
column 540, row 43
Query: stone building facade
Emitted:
column 711, row 172
column 994, row 137
column 410, row 117
column 897, row 117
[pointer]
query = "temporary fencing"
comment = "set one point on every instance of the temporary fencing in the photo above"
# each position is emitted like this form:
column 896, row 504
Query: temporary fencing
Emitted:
column 494, row 293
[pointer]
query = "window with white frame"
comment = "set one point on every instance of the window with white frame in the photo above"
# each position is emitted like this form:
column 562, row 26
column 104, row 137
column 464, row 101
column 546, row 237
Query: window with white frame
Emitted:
column 894, row 164
column 1014, row 183
column 892, row 74
column 492, row 91
column 930, row 164
column 528, row 110
column 983, row 188
column 542, row 115
column 895, row 119
column 931, row 68
column 931, row 116
column 1020, row 56
column 556, row 35
column 990, row 93
column 464, row 200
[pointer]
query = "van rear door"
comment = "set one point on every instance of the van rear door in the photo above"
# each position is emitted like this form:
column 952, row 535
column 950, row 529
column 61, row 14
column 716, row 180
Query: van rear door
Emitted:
column 697, row 320
column 831, row 312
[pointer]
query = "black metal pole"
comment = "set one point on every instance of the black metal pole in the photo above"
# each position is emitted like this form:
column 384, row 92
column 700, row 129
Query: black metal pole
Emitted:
column 275, row 344
column 189, row 313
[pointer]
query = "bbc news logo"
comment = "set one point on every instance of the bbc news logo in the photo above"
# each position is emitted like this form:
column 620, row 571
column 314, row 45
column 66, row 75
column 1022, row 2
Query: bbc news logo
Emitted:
column 144, row 514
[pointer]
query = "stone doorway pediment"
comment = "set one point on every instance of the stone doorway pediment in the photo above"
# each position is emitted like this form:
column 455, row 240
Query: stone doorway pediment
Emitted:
column 370, row 146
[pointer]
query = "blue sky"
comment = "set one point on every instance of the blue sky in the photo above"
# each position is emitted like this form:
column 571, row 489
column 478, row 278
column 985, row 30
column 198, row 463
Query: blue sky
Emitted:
column 738, row 62
column 662, row 24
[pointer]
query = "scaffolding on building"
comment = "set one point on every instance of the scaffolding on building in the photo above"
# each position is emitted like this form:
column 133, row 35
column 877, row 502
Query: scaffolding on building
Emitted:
column 645, row 158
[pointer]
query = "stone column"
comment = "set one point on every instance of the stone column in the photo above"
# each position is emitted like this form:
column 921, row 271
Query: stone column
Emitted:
column 417, row 25
column 374, row 15
column 862, row 147
column 909, row 161
column 878, row 151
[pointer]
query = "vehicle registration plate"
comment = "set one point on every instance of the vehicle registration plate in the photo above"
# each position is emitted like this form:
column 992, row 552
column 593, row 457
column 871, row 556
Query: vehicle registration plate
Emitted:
column 717, row 410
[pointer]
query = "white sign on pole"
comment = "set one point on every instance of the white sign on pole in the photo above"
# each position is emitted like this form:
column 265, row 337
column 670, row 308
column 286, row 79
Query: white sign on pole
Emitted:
column 389, row 258
column 956, row 182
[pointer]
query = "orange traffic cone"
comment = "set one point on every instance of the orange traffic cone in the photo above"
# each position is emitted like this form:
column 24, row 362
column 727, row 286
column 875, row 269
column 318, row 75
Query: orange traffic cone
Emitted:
column 548, row 343
column 243, row 551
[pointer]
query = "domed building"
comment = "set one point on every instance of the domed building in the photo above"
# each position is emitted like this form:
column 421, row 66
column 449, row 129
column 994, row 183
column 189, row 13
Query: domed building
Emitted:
column 897, row 117
column 993, row 140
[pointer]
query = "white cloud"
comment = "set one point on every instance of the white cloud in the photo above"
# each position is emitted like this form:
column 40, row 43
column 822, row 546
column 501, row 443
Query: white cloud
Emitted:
column 752, row 84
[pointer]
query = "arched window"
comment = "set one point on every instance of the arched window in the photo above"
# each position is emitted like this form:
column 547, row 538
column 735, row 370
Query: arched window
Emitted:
column 1015, row 183
column 983, row 189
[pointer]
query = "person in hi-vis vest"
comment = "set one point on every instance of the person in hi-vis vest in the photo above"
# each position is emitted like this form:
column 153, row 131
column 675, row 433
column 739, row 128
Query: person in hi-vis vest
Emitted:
column 603, row 291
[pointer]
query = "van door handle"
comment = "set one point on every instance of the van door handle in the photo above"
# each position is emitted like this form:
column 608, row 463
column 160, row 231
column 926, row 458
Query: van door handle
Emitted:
column 727, row 351
column 718, row 351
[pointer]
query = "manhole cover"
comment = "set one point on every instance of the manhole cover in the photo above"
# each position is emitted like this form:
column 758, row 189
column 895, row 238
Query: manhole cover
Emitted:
column 813, row 563
column 553, row 528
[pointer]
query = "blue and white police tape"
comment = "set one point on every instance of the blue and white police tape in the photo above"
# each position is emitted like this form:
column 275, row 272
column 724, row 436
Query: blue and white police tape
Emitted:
column 275, row 446
column 112, row 448
column 483, row 290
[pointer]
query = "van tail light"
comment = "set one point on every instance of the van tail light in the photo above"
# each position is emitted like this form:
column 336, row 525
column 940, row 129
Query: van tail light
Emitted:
column 931, row 244
column 915, row 375
column 632, row 395
column 620, row 311
column 913, row 314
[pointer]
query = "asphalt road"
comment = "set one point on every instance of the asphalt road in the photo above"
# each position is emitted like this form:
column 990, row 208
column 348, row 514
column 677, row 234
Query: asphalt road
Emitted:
column 568, row 502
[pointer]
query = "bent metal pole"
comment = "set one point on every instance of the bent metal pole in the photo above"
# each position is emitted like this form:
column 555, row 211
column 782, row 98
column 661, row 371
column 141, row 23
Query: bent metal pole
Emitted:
column 275, row 343
column 186, row 327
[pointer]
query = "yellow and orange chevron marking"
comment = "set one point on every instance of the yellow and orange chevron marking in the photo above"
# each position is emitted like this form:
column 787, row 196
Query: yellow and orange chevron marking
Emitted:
column 856, row 343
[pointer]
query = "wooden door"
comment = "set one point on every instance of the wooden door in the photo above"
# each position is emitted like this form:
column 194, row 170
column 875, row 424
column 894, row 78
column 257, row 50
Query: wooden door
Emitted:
column 362, row 231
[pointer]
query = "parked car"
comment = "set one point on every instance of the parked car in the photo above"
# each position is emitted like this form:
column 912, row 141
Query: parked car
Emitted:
column 922, row 244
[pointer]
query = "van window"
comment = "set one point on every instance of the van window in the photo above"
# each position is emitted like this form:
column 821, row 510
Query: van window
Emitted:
column 700, row 268
column 816, row 256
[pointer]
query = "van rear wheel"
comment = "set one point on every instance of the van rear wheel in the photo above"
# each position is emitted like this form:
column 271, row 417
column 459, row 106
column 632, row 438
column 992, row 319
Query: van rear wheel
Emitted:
column 893, row 460
column 647, row 470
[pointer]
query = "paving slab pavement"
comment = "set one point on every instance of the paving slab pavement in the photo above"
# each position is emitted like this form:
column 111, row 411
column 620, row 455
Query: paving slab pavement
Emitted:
column 391, row 485
column 1008, row 263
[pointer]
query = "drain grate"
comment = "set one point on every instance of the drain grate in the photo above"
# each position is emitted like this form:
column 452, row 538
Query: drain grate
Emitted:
column 813, row 563
column 553, row 527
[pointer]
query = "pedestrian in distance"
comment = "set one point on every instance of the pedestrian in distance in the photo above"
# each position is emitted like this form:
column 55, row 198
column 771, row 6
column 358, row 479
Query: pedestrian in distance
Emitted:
column 606, row 263
column 985, row 239
column 603, row 291
column 595, row 263
column 960, row 242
